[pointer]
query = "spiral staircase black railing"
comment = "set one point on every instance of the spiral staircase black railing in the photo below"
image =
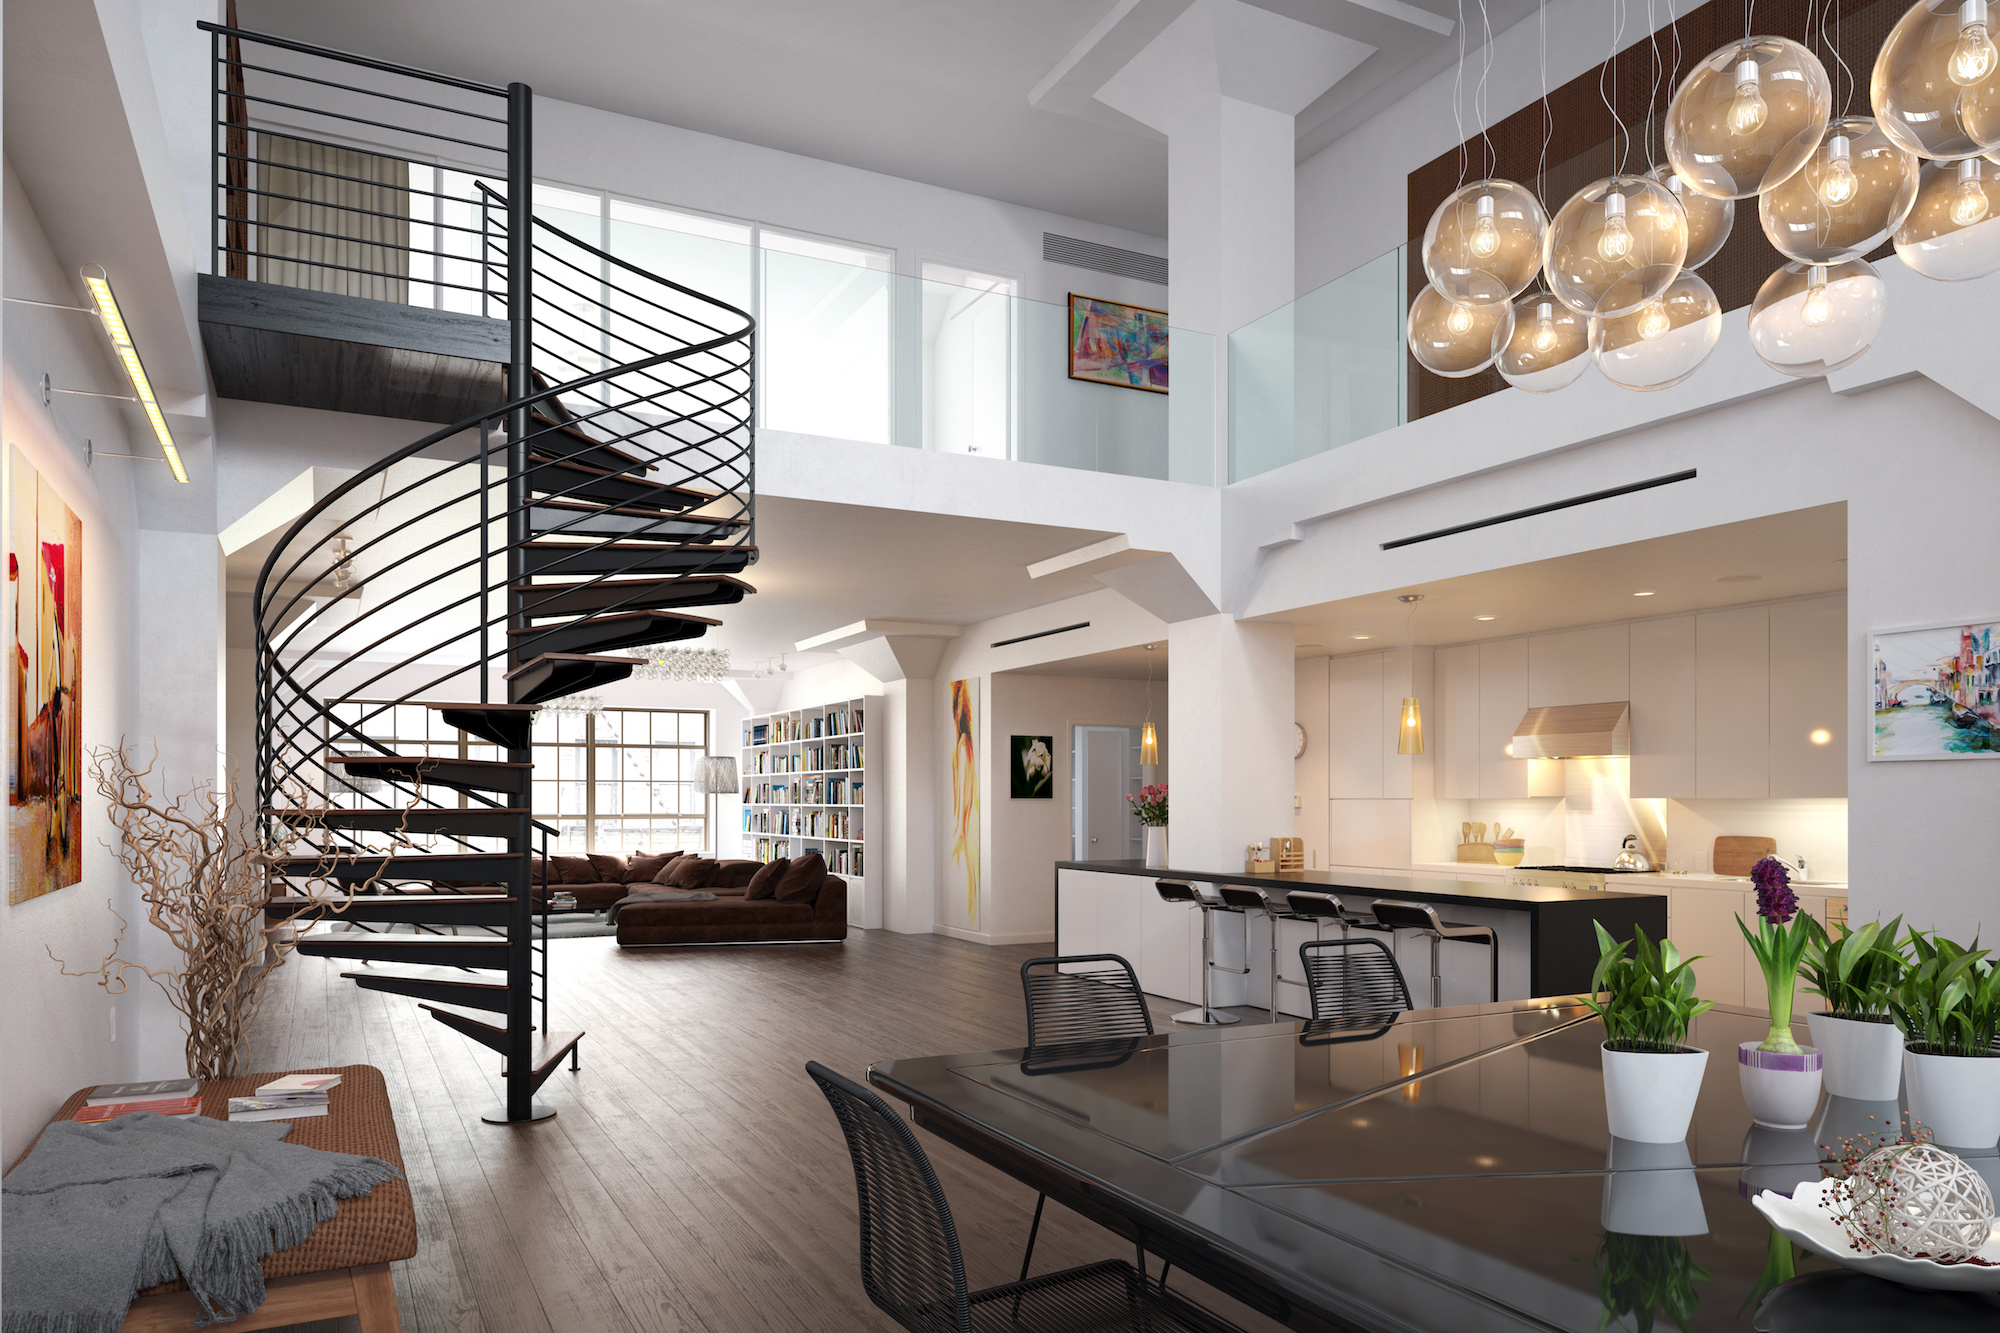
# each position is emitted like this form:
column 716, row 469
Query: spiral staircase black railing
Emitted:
column 520, row 553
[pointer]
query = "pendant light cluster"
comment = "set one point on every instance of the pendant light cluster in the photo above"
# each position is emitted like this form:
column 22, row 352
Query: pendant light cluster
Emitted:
column 1753, row 120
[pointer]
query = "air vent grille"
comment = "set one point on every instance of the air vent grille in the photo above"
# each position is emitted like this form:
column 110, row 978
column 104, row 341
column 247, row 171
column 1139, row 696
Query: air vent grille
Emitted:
column 1103, row 258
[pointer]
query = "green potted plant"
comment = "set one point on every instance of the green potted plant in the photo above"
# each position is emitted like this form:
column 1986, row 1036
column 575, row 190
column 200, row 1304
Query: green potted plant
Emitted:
column 1948, row 1007
column 1644, row 1277
column 1651, row 1078
column 1856, row 973
column 1780, row 1078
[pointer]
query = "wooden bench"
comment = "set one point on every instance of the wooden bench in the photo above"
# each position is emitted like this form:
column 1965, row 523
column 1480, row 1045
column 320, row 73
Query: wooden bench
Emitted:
column 343, row 1267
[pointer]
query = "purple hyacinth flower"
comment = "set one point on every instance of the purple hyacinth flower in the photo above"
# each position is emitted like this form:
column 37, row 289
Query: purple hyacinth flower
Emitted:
column 1776, row 902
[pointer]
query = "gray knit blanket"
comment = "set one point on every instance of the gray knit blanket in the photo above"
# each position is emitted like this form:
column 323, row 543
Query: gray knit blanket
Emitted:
column 98, row 1213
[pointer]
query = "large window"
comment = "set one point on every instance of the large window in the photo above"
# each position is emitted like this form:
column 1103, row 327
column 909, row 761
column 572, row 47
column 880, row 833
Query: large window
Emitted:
column 968, row 361
column 621, row 781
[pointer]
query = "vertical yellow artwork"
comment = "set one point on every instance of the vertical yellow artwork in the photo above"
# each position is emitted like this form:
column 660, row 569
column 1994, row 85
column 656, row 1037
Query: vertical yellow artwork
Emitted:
column 965, row 791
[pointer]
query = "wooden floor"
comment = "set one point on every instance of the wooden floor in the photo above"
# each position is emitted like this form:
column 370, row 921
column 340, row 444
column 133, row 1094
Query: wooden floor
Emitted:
column 694, row 1178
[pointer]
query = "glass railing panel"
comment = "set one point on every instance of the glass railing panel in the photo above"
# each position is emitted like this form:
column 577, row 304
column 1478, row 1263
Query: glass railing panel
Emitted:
column 1322, row 372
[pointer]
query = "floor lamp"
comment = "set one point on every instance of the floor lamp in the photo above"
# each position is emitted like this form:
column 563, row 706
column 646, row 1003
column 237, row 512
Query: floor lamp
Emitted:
column 713, row 777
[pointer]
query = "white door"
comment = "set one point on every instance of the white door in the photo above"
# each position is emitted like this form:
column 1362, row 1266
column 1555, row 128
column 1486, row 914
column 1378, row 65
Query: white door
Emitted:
column 1104, row 771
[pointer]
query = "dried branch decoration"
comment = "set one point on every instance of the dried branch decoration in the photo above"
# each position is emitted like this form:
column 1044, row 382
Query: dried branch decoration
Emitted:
column 205, row 877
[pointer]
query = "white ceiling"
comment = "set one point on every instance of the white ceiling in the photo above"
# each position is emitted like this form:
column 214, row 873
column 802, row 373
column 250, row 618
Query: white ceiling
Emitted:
column 1118, row 664
column 930, row 90
column 1790, row 555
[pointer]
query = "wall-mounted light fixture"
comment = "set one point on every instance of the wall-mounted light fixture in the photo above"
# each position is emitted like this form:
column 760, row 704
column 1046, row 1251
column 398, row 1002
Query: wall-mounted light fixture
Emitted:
column 128, row 354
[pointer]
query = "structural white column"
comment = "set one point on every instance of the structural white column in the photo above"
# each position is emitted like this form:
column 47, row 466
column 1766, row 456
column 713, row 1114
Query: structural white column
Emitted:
column 1229, row 708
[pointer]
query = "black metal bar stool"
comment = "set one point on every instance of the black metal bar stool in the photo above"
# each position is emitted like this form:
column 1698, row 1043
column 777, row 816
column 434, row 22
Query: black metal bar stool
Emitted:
column 1320, row 908
column 1423, row 918
column 1180, row 891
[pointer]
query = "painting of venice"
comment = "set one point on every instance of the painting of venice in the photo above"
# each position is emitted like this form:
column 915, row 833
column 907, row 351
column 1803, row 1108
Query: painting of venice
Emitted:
column 45, row 780
column 1112, row 343
column 1937, row 693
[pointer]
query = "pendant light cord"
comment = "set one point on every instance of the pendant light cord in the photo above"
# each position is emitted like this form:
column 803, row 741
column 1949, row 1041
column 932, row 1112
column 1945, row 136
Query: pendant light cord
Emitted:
column 1458, row 96
column 1548, row 117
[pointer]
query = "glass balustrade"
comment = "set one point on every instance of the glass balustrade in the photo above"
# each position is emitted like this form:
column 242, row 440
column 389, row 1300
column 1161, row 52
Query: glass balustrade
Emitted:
column 1324, row 371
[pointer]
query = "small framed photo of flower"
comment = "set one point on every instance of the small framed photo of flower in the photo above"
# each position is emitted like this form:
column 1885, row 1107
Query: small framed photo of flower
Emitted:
column 1032, row 769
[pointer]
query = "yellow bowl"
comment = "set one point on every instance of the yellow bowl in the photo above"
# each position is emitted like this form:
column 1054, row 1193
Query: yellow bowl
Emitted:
column 1508, row 857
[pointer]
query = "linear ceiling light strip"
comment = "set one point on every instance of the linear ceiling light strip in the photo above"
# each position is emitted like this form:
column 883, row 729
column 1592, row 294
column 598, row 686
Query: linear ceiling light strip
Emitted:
column 1042, row 634
column 1548, row 508
column 128, row 354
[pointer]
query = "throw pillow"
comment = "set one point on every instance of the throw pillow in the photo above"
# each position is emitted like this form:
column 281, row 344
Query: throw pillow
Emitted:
column 765, row 882
column 606, row 869
column 687, row 872
column 641, row 868
column 802, row 879
column 572, row 870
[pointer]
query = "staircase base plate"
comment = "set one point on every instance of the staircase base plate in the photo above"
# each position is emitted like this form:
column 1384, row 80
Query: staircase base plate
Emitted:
column 498, row 1115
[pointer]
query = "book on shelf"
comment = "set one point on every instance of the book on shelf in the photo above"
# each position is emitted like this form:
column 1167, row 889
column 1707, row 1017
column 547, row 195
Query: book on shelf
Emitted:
column 169, row 1106
column 165, row 1089
column 294, row 1085
column 301, row 1107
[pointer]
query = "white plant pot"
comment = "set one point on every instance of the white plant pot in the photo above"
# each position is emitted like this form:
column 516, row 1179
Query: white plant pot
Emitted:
column 1650, row 1095
column 1780, row 1088
column 1650, row 1190
column 1156, row 847
column 1957, row 1096
column 1864, row 1061
column 1844, row 1118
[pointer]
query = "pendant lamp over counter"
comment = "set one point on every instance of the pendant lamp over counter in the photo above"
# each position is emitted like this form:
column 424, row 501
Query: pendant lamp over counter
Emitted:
column 1410, row 726
column 1149, row 739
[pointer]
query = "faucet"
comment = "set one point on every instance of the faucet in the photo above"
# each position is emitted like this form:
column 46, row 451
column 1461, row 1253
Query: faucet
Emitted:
column 1797, row 865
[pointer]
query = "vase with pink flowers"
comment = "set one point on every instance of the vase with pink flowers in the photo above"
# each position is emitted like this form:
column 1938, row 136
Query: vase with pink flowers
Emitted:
column 1150, row 805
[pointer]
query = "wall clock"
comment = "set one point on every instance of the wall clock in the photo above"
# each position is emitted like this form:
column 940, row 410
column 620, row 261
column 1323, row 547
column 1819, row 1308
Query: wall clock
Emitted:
column 1300, row 732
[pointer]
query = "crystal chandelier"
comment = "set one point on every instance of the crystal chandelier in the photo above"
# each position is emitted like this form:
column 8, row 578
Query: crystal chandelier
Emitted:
column 575, row 703
column 701, row 666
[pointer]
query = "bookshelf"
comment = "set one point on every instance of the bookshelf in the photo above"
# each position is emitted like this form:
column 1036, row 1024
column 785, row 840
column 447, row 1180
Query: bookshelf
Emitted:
column 806, row 787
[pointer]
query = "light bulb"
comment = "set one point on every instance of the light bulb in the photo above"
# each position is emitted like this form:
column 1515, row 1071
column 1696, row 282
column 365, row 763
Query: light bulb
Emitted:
column 1654, row 322
column 1838, row 182
column 1545, row 327
column 1485, row 233
column 1748, row 112
column 1614, row 243
column 1974, row 57
column 1459, row 320
column 1968, row 203
column 1818, row 309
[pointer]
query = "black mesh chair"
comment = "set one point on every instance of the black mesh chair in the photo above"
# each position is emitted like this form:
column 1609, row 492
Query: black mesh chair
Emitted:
column 1423, row 918
column 912, row 1267
column 1353, row 980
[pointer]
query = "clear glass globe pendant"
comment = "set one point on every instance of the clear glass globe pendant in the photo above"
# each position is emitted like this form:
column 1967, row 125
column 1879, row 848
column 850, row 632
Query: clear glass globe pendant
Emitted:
column 1953, row 232
column 1936, row 84
column 1548, row 346
column 1457, row 340
column 1623, row 232
column 1809, row 319
column 1747, row 117
column 1658, row 342
column 1854, row 190
column 1709, row 221
column 1484, row 243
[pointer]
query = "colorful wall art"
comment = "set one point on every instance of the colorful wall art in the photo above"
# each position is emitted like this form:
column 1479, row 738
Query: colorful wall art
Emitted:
column 1111, row 343
column 45, row 779
column 965, row 790
column 1031, row 774
column 1936, row 692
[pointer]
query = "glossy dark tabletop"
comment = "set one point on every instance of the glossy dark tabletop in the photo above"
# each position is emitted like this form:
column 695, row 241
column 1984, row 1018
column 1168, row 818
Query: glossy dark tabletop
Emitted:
column 1468, row 892
column 1449, row 1170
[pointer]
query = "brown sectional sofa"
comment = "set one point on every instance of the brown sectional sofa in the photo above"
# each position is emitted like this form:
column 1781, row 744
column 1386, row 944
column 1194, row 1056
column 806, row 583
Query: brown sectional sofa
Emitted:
column 730, row 919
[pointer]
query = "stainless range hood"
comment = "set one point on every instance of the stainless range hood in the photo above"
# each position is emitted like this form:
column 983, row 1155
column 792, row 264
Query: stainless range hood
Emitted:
column 1574, row 731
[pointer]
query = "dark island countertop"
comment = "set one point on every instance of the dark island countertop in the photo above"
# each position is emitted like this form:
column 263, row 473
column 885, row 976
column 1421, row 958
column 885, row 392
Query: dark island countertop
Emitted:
column 1463, row 892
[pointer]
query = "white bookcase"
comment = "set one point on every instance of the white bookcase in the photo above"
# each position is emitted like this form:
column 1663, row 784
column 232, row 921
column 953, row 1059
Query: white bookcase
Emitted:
column 806, row 788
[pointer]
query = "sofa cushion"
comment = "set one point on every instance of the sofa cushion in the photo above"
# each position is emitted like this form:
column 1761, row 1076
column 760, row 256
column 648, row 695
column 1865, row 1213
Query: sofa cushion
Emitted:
column 734, row 874
column 721, row 912
column 641, row 868
column 764, row 883
column 802, row 879
column 572, row 870
column 687, row 872
column 607, row 869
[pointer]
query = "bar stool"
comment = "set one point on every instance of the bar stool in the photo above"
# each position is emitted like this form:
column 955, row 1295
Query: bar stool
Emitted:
column 1423, row 918
column 1247, row 899
column 1179, row 891
column 1320, row 908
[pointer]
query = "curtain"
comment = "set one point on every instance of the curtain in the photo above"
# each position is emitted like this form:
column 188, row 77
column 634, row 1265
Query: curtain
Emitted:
column 333, row 219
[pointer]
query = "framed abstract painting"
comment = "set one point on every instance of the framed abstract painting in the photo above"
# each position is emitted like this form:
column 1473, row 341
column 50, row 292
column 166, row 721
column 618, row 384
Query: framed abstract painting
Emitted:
column 45, row 775
column 1121, row 345
column 1936, row 691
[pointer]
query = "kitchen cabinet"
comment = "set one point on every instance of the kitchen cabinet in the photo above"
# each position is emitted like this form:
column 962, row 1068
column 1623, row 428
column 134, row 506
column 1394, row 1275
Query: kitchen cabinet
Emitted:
column 1732, row 686
column 1503, row 699
column 1663, row 707
column 1580, row 666
column 1354, row 727
column 1809, row 697
column 1457, row 722
column 1701, row 921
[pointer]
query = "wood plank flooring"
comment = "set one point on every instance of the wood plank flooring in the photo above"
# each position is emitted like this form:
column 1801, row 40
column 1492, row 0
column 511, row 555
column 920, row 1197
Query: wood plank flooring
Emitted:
column 693, row 1180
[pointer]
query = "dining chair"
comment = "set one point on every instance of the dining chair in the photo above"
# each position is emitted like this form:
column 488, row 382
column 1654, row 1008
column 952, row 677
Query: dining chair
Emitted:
column 1353, row 979
column 914, row 1271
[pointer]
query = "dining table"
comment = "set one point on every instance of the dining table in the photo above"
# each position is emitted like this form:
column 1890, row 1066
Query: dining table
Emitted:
column 1446, row 1170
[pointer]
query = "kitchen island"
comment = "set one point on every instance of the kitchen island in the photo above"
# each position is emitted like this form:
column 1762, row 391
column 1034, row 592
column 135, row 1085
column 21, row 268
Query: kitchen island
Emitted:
column 1547, row 944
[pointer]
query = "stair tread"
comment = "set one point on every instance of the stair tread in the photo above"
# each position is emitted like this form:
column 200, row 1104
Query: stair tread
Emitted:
column 309, row 859
column 614, row 618
column 431, row 760
column 541, row 462
column 326, row 934
column 477, row 708
column 385, row 899
column 551, row 1047
column 431, row 976
column 540, row 658
column 452, row 1016
column 550, row 426
column 316, row 811
column 636, row 548
column 593, row 507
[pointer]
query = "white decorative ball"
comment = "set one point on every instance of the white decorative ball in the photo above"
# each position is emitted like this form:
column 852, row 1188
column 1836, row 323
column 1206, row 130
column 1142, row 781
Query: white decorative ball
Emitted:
column 1921, row 1202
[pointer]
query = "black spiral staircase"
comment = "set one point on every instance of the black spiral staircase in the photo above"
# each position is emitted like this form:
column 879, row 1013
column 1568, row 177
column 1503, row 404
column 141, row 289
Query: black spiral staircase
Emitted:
column 494, row 566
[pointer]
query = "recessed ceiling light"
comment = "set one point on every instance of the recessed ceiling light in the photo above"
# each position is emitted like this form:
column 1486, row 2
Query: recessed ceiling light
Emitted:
column 1820, row 736
column 1482, row 617
column 1647, row 593
column 1361, row 636
column 1739, row 578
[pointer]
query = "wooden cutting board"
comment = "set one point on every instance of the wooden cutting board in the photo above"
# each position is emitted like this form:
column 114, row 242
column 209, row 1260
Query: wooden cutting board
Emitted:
column 1735, row 855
